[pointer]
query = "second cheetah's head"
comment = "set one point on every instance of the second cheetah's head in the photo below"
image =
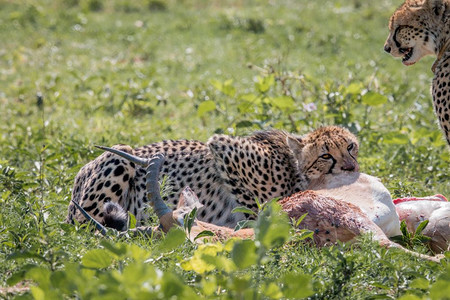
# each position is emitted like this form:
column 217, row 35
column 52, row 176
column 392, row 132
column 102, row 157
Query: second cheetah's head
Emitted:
column 414, row 29
column 327, row 150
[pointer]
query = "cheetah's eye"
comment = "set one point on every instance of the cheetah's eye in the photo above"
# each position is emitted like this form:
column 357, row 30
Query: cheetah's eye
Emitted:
column 326, row 156
column 350, row 147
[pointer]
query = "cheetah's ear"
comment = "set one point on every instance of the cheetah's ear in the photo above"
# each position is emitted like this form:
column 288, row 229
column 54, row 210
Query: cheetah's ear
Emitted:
column 295, row 144
column 416, row 3
column 437, row 6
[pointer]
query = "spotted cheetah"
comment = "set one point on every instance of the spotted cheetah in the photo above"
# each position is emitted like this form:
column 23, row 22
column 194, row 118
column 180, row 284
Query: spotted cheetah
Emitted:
column 419, row 28
column 226, row 172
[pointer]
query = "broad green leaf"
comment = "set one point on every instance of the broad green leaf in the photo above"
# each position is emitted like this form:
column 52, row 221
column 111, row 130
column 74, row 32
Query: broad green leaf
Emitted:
column 272, row 227
column 445, row 156
column 97, row 259
column 172, row 286
column 26, row 254
column 209, row 286
column 229, row 244
column 189, row 220
column 220, row 262
column 272, row 291
column 419, row 134
column 304, row 234
column 395, row 138
column 132, row 221
column 244, row 210
column 297, row 223
column 423, row 239
column 61, row 280
column 373, row 99
column 38, row 293
column 205, row 106
column 263, row 84
column 228, row 88
column 243, row 124
column 241, row 283
column 244, row 254
column 137, row 272
column 118, row 249
column 437, row 139
column 210, row 249
column 255, row 99
column 197, row 264
column 440, row 289
column 297, row 285
column 246, row 108
column 421, row 227
column 258, row 203
column 244, row 224
column 354, row 88
column 137, row 253
column 420, row 283
column 204, row 233
column 174, row 238
column 404, row 229
column 401, row 239
column 41, row 276
column 282, row 102
column 217, row 84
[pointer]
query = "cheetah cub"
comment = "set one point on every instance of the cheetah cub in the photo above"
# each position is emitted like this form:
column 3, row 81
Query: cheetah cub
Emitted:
column 419, row 28
column 226, row 172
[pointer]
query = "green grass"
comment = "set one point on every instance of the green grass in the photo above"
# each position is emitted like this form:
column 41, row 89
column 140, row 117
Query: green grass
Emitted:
column 78, row 73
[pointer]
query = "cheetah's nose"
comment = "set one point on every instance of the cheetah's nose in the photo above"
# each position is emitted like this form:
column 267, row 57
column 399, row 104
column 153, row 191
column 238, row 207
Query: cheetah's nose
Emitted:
column 350, row 167
column 387, row 49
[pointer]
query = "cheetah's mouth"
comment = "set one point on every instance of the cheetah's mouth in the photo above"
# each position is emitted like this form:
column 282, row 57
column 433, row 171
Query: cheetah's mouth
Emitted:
column 408, row 53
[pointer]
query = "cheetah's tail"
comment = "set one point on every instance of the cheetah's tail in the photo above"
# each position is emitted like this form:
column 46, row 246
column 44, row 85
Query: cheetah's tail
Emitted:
column 115, row 216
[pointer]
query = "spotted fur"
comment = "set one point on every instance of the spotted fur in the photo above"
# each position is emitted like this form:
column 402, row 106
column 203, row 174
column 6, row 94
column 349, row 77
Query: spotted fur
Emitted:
column 226, row 172
column 419, row 28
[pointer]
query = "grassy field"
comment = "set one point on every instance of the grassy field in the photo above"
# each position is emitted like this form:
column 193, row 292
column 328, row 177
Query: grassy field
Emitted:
column 76, row 73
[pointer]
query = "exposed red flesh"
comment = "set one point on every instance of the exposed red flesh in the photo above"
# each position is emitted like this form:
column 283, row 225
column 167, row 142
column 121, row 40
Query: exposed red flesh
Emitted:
column 437, row 197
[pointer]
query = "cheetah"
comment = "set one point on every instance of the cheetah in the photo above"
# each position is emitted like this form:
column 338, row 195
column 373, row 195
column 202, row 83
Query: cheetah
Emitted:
column 419, row 28
column 225, row 173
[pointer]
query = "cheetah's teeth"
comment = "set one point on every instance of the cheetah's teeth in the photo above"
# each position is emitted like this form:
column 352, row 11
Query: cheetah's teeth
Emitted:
column 408, row 52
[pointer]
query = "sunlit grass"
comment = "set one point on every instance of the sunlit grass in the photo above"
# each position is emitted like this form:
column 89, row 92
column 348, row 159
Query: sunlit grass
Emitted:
column 135, row 73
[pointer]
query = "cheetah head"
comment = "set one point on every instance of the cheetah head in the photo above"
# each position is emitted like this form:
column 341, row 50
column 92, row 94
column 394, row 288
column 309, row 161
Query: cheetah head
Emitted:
column 327, row 150
column 414, row 29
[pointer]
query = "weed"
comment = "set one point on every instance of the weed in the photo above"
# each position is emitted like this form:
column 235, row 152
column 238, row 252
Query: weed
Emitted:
column 74, row 73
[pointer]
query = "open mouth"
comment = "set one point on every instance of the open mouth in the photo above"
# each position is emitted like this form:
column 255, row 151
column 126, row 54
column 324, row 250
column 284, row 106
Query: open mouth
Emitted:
column 408, row 52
